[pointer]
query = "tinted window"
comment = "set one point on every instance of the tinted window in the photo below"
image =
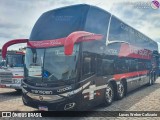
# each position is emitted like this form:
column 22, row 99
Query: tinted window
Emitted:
column 94, row 47
column 89, row 64
column 121, row 66
column 58, row 66
column 107, row 67
column 118, row 31
column 59, row 23
column 51, row 64
column 132, row 64
column 141, row 66
column 97, row 21
column 15, row 60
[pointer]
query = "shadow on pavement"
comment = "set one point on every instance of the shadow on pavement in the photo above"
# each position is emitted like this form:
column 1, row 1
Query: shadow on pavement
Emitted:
column 6, row 95
column 130, row 99
column 12, row 93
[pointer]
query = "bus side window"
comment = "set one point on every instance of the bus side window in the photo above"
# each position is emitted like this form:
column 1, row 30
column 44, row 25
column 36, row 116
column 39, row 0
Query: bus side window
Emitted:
column 121, row 66
column 142, row 65
column 107, row 67
column 86, row 65
column 99, row 67
column 133, row 65
column 148, row 65
column 89, row 65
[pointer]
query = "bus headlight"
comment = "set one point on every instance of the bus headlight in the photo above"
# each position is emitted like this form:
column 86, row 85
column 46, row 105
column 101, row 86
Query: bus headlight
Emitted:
column 47, row 98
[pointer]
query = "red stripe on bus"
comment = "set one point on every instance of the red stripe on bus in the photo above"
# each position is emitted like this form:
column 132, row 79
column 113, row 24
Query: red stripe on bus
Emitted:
column 17, row 76
column 46, row 43
column 21, row 53
column 131, row 74
column 131, row 51
column 69, row 41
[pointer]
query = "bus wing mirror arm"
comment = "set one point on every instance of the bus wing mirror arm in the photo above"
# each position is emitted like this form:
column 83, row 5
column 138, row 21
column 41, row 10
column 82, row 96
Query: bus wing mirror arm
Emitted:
column 76, row 37
column 9, row 43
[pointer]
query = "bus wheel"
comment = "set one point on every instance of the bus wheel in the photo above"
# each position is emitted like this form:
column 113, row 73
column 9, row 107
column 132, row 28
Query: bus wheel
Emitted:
column 109, row 95
column 120, row 91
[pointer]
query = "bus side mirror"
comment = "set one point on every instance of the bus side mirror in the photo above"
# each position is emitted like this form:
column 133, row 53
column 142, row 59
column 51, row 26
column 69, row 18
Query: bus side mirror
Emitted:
column 9, row 43
column 76, row 37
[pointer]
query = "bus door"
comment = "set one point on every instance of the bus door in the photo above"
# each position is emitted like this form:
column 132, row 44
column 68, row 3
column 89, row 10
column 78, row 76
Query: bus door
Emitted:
column 89, row 76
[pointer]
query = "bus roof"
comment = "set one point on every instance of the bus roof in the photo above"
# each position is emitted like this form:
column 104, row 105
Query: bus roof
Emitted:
column 60, row 22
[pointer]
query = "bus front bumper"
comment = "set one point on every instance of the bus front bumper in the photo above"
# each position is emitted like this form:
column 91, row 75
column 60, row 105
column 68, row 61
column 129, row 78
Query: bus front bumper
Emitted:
column 13, row 86
column 58, row 105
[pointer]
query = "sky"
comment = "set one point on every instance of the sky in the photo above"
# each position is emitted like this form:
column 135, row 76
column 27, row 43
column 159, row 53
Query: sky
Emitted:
column 17, row 17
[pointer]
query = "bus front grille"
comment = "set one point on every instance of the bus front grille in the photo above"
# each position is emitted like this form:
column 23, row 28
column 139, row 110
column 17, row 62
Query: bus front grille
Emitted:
column 6, row 81
column 6, row 78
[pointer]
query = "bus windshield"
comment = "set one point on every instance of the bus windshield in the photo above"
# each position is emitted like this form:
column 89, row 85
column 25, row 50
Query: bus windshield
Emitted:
column 15, row 60
column 2, row 63
column 50, row 64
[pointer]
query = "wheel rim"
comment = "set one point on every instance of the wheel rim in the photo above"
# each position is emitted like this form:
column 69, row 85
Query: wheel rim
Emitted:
column 121, row 90
column 109, row 94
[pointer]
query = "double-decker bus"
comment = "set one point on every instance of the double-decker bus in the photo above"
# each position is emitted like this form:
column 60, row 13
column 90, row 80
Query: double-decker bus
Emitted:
column 11, row 68
column 80, row 56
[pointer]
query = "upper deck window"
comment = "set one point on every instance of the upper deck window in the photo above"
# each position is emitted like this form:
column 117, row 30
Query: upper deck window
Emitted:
column 59, row 23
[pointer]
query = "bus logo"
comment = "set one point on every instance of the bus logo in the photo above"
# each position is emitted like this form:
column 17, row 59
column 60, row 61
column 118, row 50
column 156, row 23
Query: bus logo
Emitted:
column 155, row 4
column 64, row 89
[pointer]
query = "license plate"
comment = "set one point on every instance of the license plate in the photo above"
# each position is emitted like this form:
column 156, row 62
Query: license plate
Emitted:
column 43, row 108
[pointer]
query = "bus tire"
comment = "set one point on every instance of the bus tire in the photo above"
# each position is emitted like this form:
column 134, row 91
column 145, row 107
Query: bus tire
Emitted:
column 120, row 90
column 109, row 95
